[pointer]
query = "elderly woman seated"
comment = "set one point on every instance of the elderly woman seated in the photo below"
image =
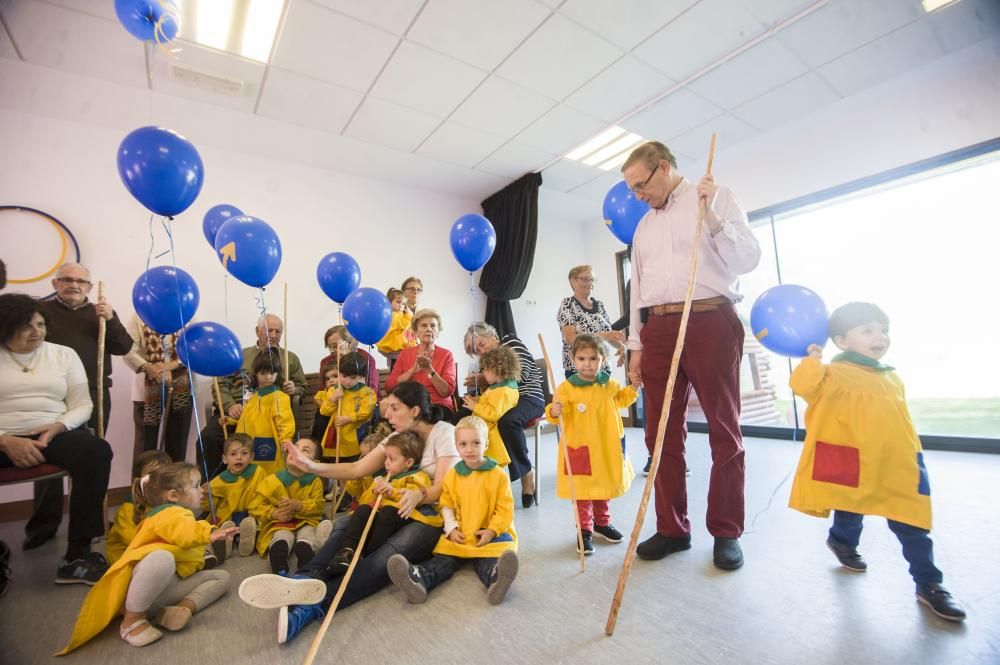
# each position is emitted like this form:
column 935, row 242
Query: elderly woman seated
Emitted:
column 430, row 365
column 44, row 402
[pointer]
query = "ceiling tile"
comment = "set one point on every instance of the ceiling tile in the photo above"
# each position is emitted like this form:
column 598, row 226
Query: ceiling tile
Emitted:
column 566, row 174
column 325, row 45
column 844, row 25
column 174, row 77
column 885, row 58
column 99, row 8
column 426, row 81
column 621, row 88
column 673, row 115
column 307, row 102
column 513, row 160
column 6, row 46
column 501, row 107
column 965, row 23
column 753, row 72
column 560, row 130
column 391, row 125
column 700, row 36
column 696, row 142
column 770, row 12
column 394, row 16
column 558, row 58
column 597, row 188
column 455, row 27
column 788, row 102
column 624, row 23
column 457, row 144
column 78, row 43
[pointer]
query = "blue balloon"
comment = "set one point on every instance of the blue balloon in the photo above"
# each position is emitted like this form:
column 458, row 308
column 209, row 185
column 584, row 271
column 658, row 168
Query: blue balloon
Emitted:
column 249, row 249
column 473, row 240
column 165, row 298
column 161, row 169
column 367, row 315
column 216, row 217
column 210, row 349
column 338, row 275
column 788, row 318
column 622, row 212
column 141, row 16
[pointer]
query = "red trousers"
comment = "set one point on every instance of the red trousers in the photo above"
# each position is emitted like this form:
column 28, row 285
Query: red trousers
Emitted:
column 593, row 511
column 710, row 363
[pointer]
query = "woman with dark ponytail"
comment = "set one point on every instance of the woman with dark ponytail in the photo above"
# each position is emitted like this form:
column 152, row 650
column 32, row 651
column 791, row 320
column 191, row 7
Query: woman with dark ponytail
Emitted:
column 408, row 408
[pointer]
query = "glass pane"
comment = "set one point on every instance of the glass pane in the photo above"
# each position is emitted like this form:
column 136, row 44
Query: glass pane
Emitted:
column 922, row 249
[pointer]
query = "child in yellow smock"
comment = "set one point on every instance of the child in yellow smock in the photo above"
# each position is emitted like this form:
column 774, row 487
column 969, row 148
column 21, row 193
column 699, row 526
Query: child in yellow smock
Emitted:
column 589, row 403
column 289, row 509
column 232, row 492
column 478, row 509
column 399, row 336
column 267, row 415
column 160, row 571
column 862, row 455
column 125, row 525
column 402, row 453
column 500, row 368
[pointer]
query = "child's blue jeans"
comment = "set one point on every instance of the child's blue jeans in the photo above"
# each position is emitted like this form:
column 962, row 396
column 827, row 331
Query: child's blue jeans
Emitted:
column 918, row 549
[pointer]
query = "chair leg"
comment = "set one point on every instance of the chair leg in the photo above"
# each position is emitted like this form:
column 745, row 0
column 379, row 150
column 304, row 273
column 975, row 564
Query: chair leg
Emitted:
column 538, row 475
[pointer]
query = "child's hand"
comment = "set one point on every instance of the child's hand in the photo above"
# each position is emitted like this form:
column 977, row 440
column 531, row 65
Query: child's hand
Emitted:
column 381, row 486
column 223, row 421
column 331, row 398
column 556, row 410
column 340, row 421
column 280, row 515
column 336, row 395
column 815, row 351
column 223, row 534
column 455, row 536
column 485, row 536
column 470, row 402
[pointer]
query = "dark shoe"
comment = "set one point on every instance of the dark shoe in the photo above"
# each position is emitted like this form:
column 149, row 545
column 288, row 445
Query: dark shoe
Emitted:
column 608, row 533
column 304, row 553
column 211, row 559
column 4, row 568
column 941, row 602
column 503, row 576
column 342, row 561
column 85, row 570
column 649, row 462
column 407, row 578
column 277, row 555
column 847, row 556
column 588, row 543
column 657, row 546
column 527, row 500
column 727, row 555
column 291, row 620
column 36, row 540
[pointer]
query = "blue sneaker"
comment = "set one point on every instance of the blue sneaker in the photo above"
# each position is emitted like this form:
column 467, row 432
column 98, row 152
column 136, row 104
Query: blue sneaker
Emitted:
column 292, row 619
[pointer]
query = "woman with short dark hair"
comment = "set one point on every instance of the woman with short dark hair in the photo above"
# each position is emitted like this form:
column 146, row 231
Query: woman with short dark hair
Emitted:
column 44, row 405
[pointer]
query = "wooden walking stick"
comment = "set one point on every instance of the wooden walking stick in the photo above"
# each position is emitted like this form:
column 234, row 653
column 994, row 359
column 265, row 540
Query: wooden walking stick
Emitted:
column 102, row 331
column 336, row 450
column 218, row 398
column 661, row 429
column 284, row 355
column 569, row 470
column 314, row 647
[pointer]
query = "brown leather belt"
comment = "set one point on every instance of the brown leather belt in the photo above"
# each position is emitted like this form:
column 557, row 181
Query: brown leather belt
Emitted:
column 705, row 305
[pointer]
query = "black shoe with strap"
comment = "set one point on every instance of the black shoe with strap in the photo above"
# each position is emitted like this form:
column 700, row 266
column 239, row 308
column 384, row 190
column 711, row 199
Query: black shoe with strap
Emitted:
column 658, row 546
column 588, row 543
column 847, row 556
column 941, row 602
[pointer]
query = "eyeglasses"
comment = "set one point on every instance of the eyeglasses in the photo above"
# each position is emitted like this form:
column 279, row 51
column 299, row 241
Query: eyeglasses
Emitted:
column 70, row 280
column 587, row 280
column 413, row 289
column 642, row 187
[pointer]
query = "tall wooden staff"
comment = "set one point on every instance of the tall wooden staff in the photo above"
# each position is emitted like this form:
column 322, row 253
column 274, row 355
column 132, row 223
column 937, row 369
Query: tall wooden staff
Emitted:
column 218, row 398
column 284, row 359
column 336, row 451
column 314, row 647
column 661, row 429
column 566, row 464
column 102, row 331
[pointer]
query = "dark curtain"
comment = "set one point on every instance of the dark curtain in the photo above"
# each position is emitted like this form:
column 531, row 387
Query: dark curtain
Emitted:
column 513, row 211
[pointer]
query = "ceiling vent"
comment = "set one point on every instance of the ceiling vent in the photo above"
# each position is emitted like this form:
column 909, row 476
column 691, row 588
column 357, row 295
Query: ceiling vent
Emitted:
column 208, row 82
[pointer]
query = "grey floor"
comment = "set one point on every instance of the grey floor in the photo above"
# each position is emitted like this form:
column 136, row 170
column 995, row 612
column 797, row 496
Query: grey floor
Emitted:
column 790, row 603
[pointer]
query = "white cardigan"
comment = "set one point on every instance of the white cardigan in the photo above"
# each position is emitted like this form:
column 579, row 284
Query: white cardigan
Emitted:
column 55, row 390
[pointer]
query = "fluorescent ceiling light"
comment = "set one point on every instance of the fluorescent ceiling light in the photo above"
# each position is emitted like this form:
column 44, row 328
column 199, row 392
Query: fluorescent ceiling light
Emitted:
column 626, row 142
column 242, row 27
column 616, row 160
column 596, row 143
column 934, row 5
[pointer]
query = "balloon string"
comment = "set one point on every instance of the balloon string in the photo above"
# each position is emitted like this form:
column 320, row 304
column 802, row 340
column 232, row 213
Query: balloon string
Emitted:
column 262, row 308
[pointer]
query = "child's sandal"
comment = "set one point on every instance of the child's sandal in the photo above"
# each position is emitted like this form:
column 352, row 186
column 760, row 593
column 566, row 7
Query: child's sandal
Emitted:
column 174, row 617
column 143, row 637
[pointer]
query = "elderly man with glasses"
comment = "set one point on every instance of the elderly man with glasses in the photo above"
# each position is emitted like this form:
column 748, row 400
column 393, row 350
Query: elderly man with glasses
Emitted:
column 72, row 320
column 710, row 361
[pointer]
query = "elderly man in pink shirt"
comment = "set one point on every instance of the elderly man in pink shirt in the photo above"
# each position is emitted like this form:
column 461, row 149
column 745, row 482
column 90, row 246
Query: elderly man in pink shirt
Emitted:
column 710, row 361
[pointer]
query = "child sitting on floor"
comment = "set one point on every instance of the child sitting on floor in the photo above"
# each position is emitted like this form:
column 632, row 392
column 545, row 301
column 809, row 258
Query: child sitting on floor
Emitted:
column 232, row 492
column 125, row 525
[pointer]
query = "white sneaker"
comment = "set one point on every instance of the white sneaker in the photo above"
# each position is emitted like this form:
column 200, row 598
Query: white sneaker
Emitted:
column 323, row 531
column 271, row 592
column 248, row 536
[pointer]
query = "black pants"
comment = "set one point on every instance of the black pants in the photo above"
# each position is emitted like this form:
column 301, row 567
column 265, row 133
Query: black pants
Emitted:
column 387, row 522
column 212, row 440
column 87, row 459
column 511, row 429
column 175, row 436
